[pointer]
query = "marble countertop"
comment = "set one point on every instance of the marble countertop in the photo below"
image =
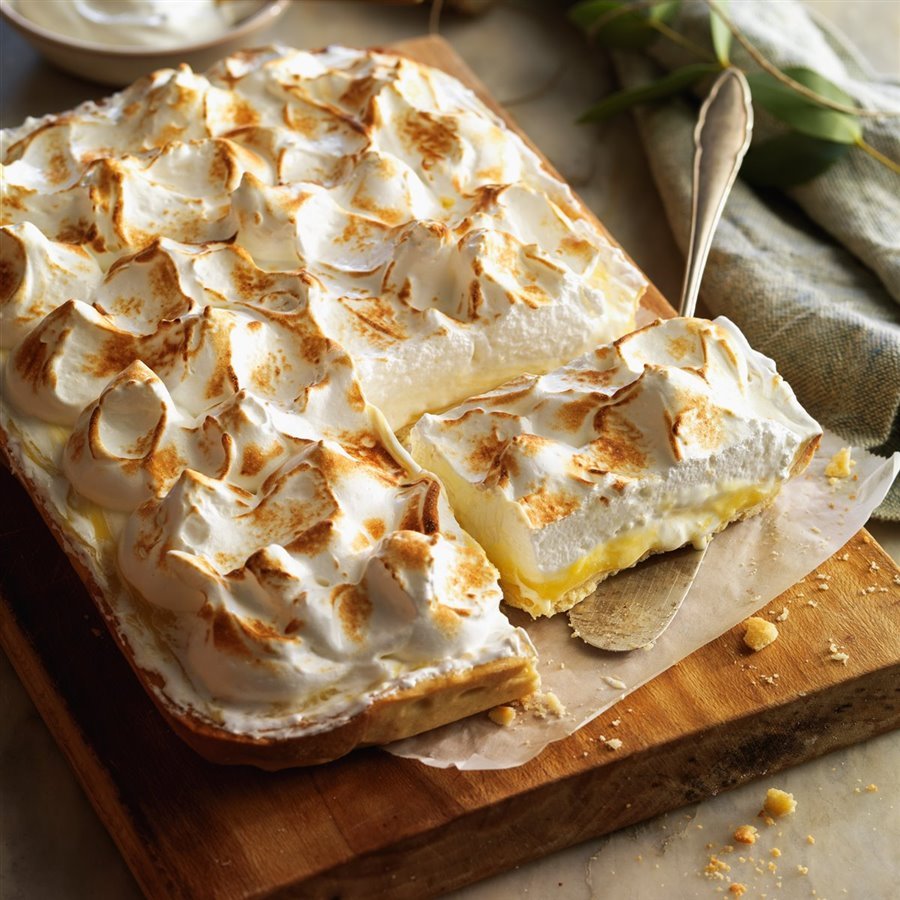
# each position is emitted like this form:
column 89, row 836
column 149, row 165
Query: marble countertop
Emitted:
column 52, row 844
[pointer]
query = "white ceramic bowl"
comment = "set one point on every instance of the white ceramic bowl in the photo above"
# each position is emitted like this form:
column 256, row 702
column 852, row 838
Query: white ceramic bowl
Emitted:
column 119, row 66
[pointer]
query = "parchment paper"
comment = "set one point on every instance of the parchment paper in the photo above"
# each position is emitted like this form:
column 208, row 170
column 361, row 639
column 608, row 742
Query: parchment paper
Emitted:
column 746, row 566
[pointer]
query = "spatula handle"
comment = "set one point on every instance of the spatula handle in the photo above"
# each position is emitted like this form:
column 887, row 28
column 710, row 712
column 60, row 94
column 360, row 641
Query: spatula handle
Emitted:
column 721, row 139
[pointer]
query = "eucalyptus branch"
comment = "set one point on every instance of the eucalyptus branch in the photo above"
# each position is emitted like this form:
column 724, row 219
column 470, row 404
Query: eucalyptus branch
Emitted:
column 878, row 156
column 776, row 73
column 612, row 14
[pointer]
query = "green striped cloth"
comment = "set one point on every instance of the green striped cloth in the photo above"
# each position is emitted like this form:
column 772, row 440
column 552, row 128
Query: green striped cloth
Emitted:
column 812, row 276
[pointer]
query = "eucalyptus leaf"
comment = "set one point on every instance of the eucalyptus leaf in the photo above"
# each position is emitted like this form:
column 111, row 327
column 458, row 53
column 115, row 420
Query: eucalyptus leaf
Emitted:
column 614, row 24
column 664, row 12
column 819, row 83
column 790, row 159
column 673, row 83
column 720, row 32
column 804, row 115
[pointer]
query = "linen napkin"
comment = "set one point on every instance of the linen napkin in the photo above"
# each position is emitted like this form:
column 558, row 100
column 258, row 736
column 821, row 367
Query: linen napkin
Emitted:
column 811, row 275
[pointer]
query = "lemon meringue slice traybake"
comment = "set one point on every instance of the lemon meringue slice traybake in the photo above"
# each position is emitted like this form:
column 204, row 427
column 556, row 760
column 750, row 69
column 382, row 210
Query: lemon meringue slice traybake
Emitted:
column 218, row 291
column 658, row 439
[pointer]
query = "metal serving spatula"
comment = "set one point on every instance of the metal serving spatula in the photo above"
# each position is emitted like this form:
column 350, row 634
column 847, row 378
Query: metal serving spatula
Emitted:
column 635, row 607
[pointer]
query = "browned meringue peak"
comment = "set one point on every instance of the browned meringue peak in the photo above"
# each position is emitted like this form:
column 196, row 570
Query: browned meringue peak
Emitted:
column 133, row 443
column 167, row 280
column 36, row 276
column 181, row 192
column 287, row 226
column 67, row 360
column 165, row 106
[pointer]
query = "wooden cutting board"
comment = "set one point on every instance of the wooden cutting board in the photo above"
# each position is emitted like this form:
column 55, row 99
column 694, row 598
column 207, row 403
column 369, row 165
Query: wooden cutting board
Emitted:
column 374, row 825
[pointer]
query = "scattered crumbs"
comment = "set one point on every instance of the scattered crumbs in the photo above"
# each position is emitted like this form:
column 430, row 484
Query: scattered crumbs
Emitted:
column 815, row 530
column 613, row 744
column 745, row 834
column 844, row 557
column 810, row 839
column 737, row 889
column 823, row 577
column 772, row 867
column 769, row 679
column 872, row 788
column 897, row 579
column 802, row 870
column 840, row 465
column 873, row 566
column 822, row 585
column 709, row 845
column 502, row 715
column 759, row 633
column 776, row 852
column 614, row 682
column 838, row 655
column 716, row 868
column 767, row 819
column 779, row 803
column 812, row 602
column 782, row 616
column 616, row 723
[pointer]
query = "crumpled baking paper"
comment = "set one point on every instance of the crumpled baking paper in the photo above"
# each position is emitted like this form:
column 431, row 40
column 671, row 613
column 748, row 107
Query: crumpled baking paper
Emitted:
column 746, row 566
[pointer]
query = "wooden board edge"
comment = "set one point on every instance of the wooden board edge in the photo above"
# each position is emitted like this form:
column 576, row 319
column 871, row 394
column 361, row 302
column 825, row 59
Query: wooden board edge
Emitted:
column 148, row 867
column 518, row 830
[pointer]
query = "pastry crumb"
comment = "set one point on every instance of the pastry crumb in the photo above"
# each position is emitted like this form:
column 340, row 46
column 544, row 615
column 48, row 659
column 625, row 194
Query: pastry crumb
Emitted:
column 759, row 633
column 716, row 868
column 782, row 616
column 543, row 705
column 737, row 889
column 840, row 465
column 502, row 715
column 775, row 852
column 872, row 788
column 779, row 803
column 802, row 870
column 613, row 744
column 745, row 834
column 614, row 682
column 810, row 839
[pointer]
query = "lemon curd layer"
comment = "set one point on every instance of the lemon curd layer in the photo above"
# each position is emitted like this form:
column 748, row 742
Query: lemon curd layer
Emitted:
column 541, row 592
column 647, row 444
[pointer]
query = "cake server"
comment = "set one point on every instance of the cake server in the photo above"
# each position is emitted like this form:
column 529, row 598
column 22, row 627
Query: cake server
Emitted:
column 633, row 608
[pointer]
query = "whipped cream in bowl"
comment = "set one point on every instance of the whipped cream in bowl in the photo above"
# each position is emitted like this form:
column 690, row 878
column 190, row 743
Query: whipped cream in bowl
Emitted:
column 117, row 41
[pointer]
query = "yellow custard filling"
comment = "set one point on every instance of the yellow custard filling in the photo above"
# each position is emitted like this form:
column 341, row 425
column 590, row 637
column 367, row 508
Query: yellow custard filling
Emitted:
column 484, row 518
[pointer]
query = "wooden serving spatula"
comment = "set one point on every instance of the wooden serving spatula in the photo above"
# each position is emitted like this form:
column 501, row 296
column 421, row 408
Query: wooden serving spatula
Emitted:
column 633, row 608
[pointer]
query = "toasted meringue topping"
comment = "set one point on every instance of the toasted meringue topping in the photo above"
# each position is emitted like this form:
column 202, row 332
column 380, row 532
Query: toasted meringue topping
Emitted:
column 438, row 243
column 656, row 440
column 194, row 272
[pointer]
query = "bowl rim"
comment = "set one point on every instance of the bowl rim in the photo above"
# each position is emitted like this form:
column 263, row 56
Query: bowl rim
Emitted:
column 269, row 10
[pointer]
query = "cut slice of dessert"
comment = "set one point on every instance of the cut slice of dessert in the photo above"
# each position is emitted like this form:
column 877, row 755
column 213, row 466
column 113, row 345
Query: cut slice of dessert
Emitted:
column 654, row 441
